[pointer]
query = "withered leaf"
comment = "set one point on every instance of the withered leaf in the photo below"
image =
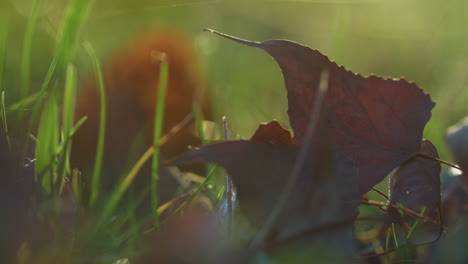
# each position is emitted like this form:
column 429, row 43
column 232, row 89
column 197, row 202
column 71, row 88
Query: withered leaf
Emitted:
column 260, row 171
column 415, row 185
column 371, row 126
column 378, row 122
column 272, row 133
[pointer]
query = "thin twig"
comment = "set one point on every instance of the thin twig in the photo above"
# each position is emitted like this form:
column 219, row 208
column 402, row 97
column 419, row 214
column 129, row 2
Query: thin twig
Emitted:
column 439, row 160
column 406, row 210
column 367, row 201
column 380, row 192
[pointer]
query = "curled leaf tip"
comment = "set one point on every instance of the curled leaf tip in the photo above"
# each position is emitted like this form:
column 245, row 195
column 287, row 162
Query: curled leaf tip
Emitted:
column 236, row 39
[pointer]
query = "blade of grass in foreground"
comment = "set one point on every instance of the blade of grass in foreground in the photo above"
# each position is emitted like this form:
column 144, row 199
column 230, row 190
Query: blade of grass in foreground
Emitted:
column 23, row 103
column 76, row 14
column 197, row 191
column 67, row 121
column 410, row 232
column 125, row 183
column 102, row 126
column 47, row 142
column 158, row 126
column 4, row 120
column 26, row 52
column 3, row 41
column 123, row 186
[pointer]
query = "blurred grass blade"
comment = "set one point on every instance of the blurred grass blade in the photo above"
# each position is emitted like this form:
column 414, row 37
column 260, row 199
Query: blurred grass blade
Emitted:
column 387, row 245
column 123, row 185
column 76, row 14
column 198, row 115
column 410, row 232
column 69, row 100
column 21, row 104
column 76, row 185
column 197, row 190
column 4, row 120
column 37, row 104
column 300, row 160
column 47, row 142
column 77, row 125
column 395, row 239
column 158, row 126
column 67, row 121
column 102, row 126
column 67, row 138
column 3, row 43
column 27, row 45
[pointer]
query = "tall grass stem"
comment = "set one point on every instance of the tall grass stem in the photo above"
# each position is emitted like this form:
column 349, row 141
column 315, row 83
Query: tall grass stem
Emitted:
column 158, row 127
column 102, row 126
column 4, row 26
column 27, row 46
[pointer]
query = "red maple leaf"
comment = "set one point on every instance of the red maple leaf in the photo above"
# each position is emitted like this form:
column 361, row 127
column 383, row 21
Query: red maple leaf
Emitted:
column 377, row 122
column 366, row 127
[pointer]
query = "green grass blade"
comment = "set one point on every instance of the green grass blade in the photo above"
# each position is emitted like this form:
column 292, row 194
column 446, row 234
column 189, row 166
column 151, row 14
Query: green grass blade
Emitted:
column 77, row 125
column 27, row 45
column 102, row 126
column 394, row 235
column 198, row 115
column 75, row 15
column 158, row 126
column 197, row 191
column 123, row 185
column 69, row 100
column 387, row 245
column 3, row 43
column 47, row 142
column 67, row 120
column 77, row 12
column 4, row 119
column 410, row 232
column 67, row 138
column 38, row 102
column 127, row 180
column 23, row 103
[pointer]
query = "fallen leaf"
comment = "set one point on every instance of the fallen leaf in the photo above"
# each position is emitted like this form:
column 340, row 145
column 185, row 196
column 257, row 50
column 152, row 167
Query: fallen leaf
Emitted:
column 378, row 122
column 261, row 170
column 415, row 185
column 272, row 133
column 366, row 128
